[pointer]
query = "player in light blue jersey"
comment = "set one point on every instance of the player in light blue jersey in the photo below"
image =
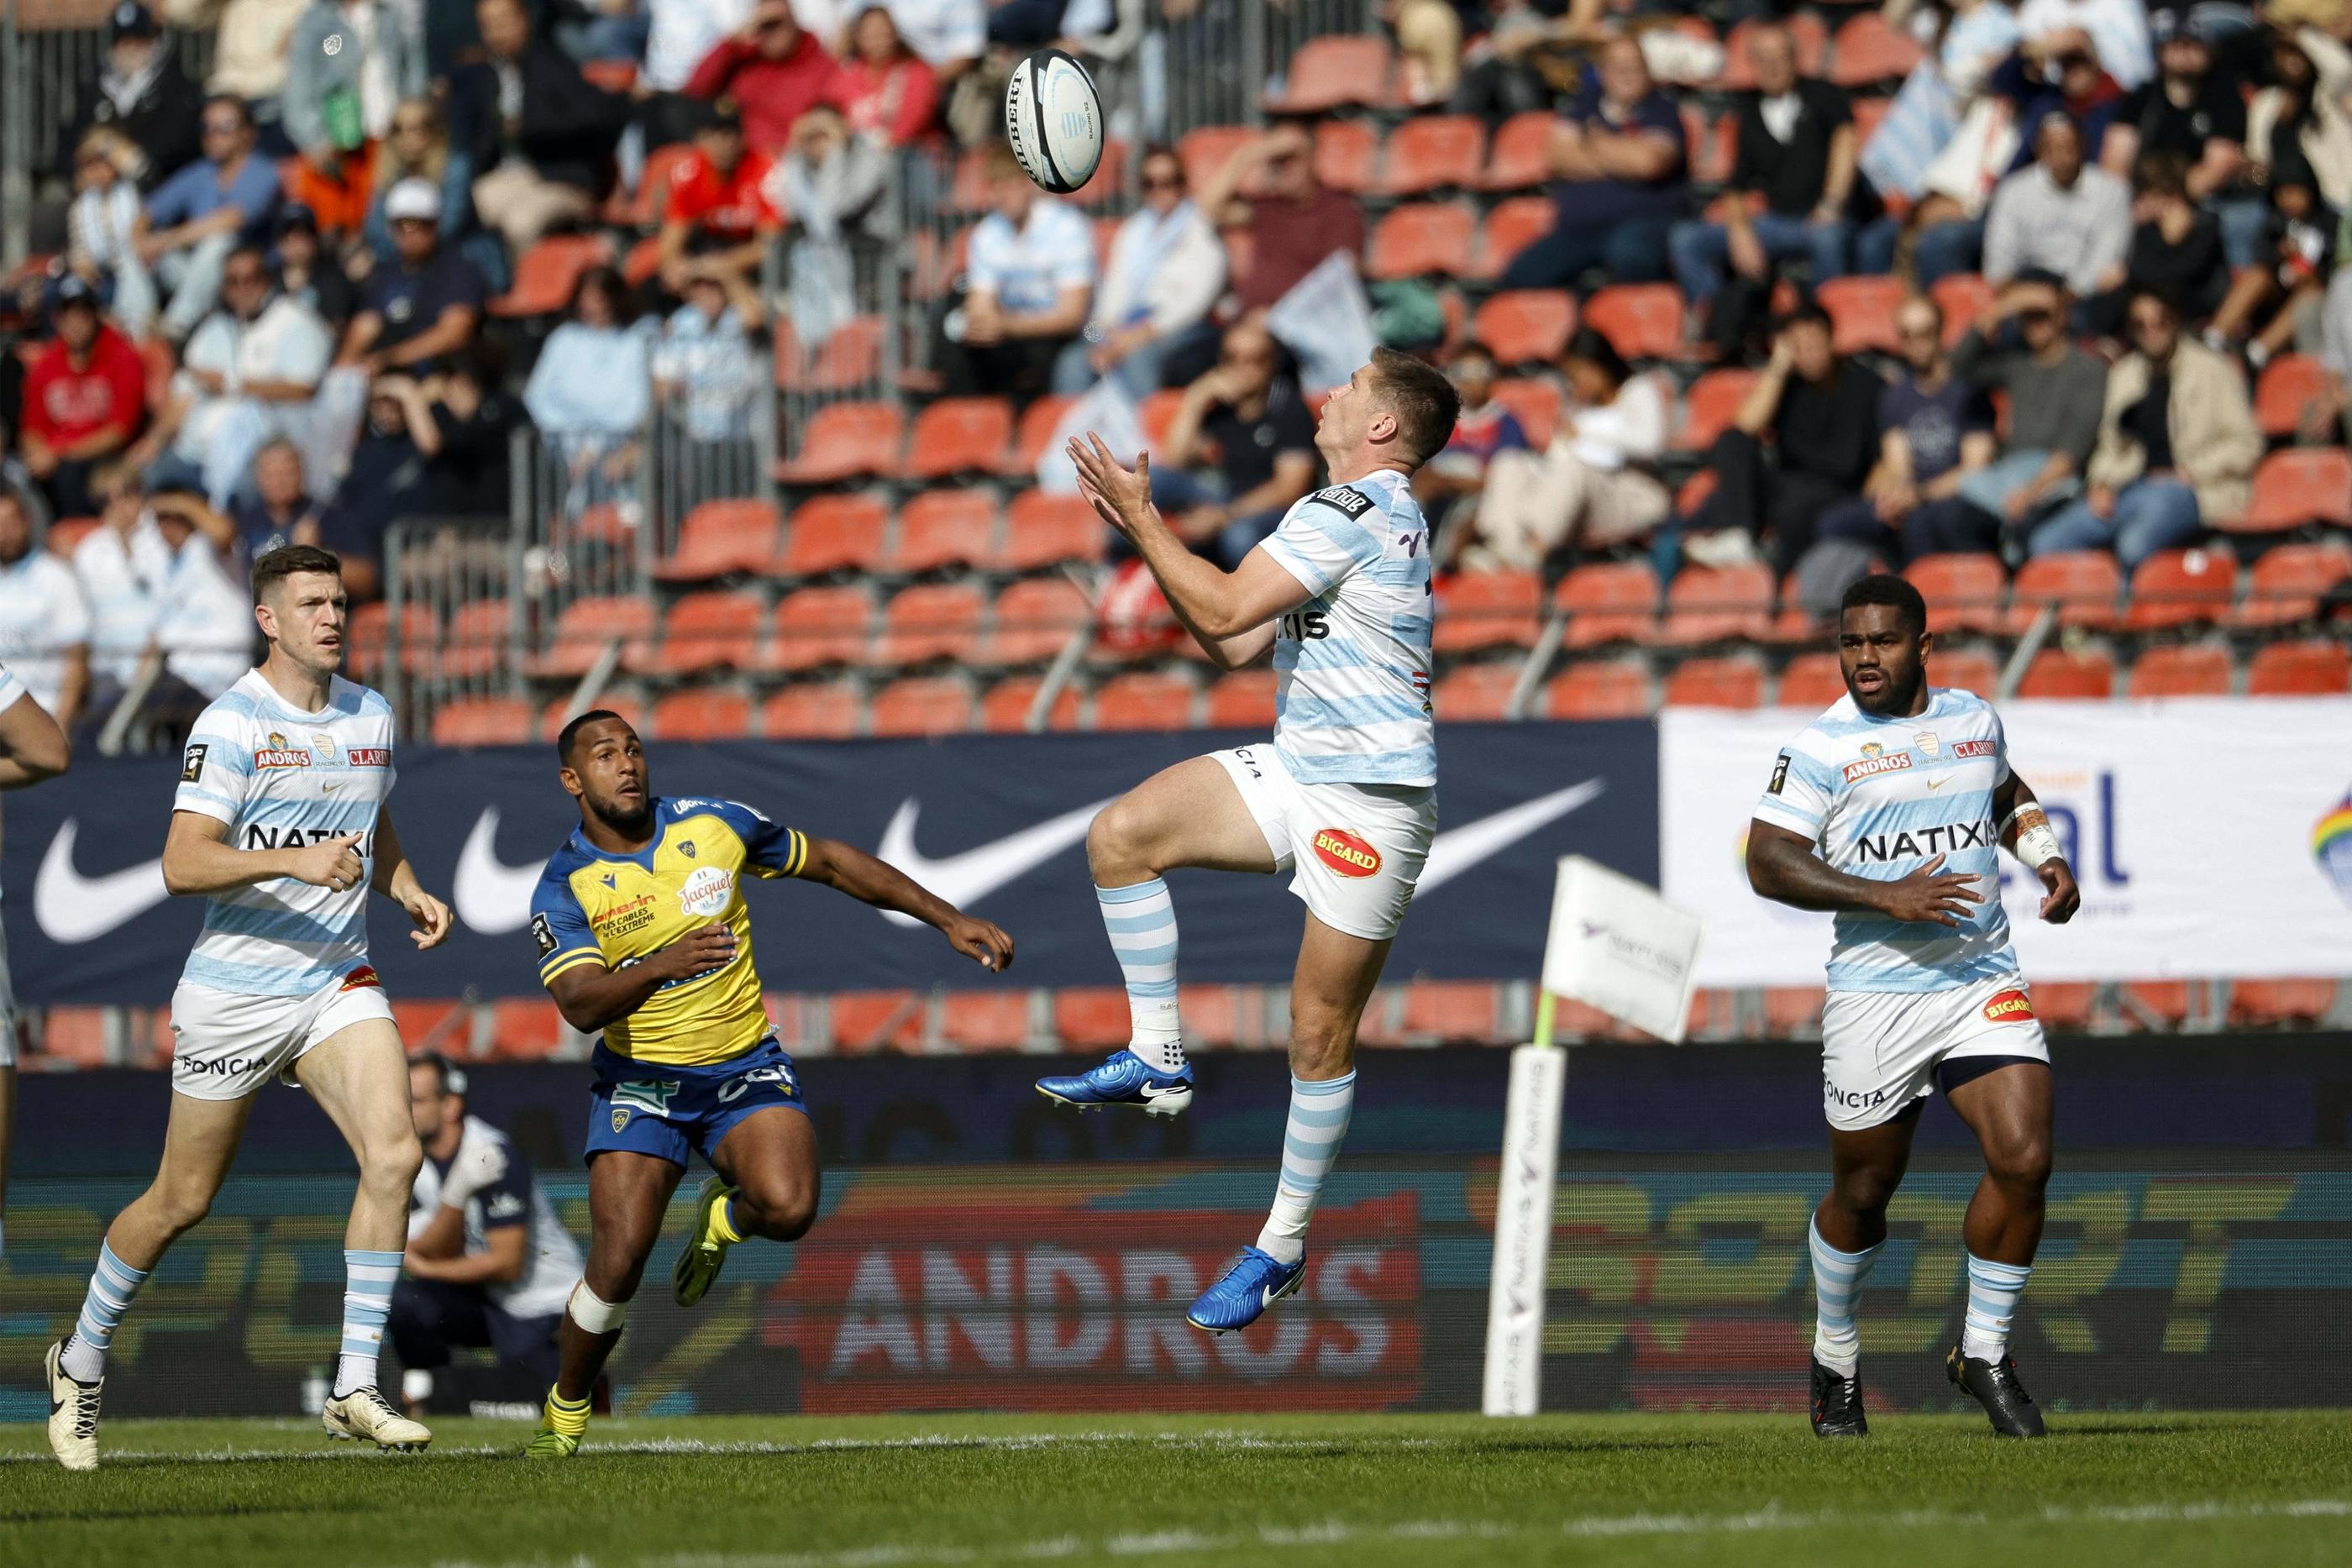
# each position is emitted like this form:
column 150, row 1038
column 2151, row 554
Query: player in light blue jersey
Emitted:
column 279, row 823
column 1891, row 809
column 1345, row 798
column 32, row 749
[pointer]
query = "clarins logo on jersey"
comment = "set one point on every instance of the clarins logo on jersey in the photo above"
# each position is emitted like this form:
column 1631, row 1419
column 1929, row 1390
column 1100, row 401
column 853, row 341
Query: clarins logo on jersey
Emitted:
column 280, row 753
column 1973, row 748
column 2009, row 1007
column 369, row 755
column 1346, row 853
column 1876, row 760
column 707, row 891
column 1920, row 843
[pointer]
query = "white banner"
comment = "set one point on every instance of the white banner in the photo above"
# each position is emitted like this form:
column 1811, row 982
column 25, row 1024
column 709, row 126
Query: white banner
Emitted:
column 1615, row 945
column 2194, row 826
column 1327, row 321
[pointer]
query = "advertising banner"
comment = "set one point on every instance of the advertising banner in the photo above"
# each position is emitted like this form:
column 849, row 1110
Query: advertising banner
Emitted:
column 2210, row 837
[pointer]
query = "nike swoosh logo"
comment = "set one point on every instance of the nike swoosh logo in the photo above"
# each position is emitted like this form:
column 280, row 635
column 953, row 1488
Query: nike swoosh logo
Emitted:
column 1934, row 784
column 965, row 879
column 330, row 787
column 72, row 908
column 491, row 897
column 1452, row 854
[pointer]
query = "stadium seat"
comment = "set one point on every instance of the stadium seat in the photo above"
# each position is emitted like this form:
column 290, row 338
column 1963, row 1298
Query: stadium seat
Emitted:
column 1861, row 309
column 1031, row 433
column 1965, row 670
column 985, row 1021
column 867, row 1021
column 1347, row 155
column 2191, row 670
column 546, row 275
column 1206, row 148
column 1157, row 411
column 2064, row 1006
column 1534, row 400
column 710, row 632
column 1453, row 1011
column 1793, row 625
column 1335, row 70
column 1221, row 1017
column 923, row 705
column 2313, row 668
column 849, row 359
column 587, row 626
column 1599, row 688
column 642, row 208
column 525, row 1029
column 1144, row 699
column 1108, row 179
column 1434, row 152
column 1734, row 683
column 2056, row 673
column 1709, row 408
column 435, row 1023
column 1487, row 610
column 482, row 721
column 369, row 637
column 1715, row 604
column 1043, row 530
column 722, row 538
column 959, row 435
column 1964, row 592
column 1476, row 694
column 2181, row 588
column 2289, row 580
column 2307, row 484
column 817, row 710
column 1519, row 158
column 1868, row 52
column 2083, row 584
column 2261, row 1004
column 1514, row 224
column 833, row 533
column 1033, row 620
column 1713, row 144
column 942, row 529
column 1608, row 601
column 1004, row 710
column 846, row 440
column 1793, row 1009
column 1814, row 681
column 1962, row 297
column 819, row 626
column 642, row 262
column 1091, row 1018
column 557, row 713
column 1421, row 239
column 2156, row 1004
column 702, row 713
column 1241, row 700
column 2289, row 384
column 75, row 1036
column 931, row 621
column 479, row 639
column 1644, row 320
column 1525, row 326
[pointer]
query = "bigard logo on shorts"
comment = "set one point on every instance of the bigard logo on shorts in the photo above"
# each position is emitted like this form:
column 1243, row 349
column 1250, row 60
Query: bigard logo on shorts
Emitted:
column 362, row 978
column 1346, row 853
column 2009, row 1007
column 279, row 753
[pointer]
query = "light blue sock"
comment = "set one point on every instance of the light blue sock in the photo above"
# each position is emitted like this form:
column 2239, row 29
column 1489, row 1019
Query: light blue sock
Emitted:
column 1837, row 1285
column 113, row 1285
column 1310, row 1146
column 1993, row 1290
column 368, row 1279
column 1141, row 922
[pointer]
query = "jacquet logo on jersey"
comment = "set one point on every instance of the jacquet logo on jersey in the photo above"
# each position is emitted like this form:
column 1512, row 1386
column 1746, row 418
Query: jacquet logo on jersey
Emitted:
column 2009, row 1007
column 1876, row 760
column 1346, row 853
column 707, row 892
column 280, row 753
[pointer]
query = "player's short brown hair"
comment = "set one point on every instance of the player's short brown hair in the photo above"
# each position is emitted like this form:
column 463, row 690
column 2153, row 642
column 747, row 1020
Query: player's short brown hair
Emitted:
column 277, row 565
column 1423, row 400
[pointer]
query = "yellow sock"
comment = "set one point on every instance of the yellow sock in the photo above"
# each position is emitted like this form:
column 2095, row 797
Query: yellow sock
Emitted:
column 566, row 1417
column 722, row 1228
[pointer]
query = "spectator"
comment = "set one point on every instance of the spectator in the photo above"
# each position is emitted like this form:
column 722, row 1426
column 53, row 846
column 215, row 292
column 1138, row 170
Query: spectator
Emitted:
column 352, row 66
column 2307, row 108
column 2175, row 247
column 2189, row 109
column 1594, row 487
column 419, row 149
column 204, row 615
column 1449, row 485
column 588, row 394
column 2074, row 87
column 2062, row 214
column 707, row 376
column 1246, row 422
column 308, row 272
column 426, row 305
column 1934, row 430
column 1927, row 112
column 141, row 91
column 538, row 133
column 887, row 91
column 773, row 70
column 44, row 622
column 680, row 34
column 385, row 481
column 1028, row 286
column 249, row 374
column 199, row 213
column 2113, row 32
column 833, row 183
column 2266, row 304
column 1428, row 49
column 279, row 511
column 1293, row 226
column 250, row 40
column 1167, row 268
column 488, row 1263
column 2054, row 390
column 1791, row 180
column 720, row 219
column 85, row 400
column 1820, row 413
column 2176, row 447
column 123, row 567
column 1619, row 157
column 102, row 229
column 605, row 30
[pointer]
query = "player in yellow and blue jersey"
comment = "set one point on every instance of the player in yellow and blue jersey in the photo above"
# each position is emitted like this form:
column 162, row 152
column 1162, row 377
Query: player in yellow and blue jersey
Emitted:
column 643, row 936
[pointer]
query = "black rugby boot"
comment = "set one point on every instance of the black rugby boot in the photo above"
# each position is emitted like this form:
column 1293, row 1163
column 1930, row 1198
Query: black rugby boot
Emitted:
column 1837, row 1405
column 1996, row 1388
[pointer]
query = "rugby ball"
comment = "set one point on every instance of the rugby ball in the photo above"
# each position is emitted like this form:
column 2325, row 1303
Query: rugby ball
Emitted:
column 1053, row 118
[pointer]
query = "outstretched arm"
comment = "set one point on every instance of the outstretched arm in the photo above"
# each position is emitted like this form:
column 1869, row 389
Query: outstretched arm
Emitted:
column 1782, row 866
column 885, row 886
column 2025, row 832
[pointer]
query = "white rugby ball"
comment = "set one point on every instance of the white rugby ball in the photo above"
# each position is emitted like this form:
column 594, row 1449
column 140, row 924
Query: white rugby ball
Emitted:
column 1053, row 118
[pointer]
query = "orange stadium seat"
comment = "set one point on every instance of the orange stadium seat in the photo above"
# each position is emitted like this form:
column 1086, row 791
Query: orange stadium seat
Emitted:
column 1525, row 326
column 846, row 441
column 932, row 620
column 2289, row 580
column 833, row 533
column 985, row 1021
column 1734, row 683
column 1520, row 157
column 1794, row 626
column 865, row 1021
column 1045, row 530
column 1031, row 433
column 480, row 635
column 1966, row 670
column 1476, row 694
column 2308, row 484
column 642, row 209
column 721, row 538
column 1091, row 1018
column 1421, row 239
column 710, row 632
column 76, row 1035
column 1144, row 699
column 1516, row 224
column 1215, row 1016
column 525, row 1029
column 2181, row 588
column 2064, row 1006
column 2311, row 668
column 2056, row 673
column 587, row 626
column 1793, row 1009
column 1347, row 155
column 819, row 626
column 2294, row 1003
column 703, row 713
column 1033, row 620
column 820, row 710
column 1332, row 70
column 943, row 527
column 1487, row 610
column 643, row 261
column 2083, row 584
column 1466, row 1010
column 2160, row 1004
column 2193, row 670
column 371, row 633
column 557, row 713
column 482, row 721
column 849, row 360
column 959, row 435
column 1811, row 680
column 2290, row 384
column 1534, row 400
column 1645, row 320
column 1599, row 688
column 1205, row 150
column 1715, row 604
column 1962, row 298
column 546, row 275
column 1434, row 153
column 1707, row 411
column 1868, row 52
column 1006, row 709
column 1862, row 310
column 1608, row 601
column 1157, row 412
column 1241, row 700
column 1964, row 592
column 925, row 704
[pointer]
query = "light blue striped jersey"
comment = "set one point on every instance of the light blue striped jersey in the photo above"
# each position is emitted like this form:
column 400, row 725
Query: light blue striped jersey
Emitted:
column 1881, row 797
column 1351, row 664
column 281, row 777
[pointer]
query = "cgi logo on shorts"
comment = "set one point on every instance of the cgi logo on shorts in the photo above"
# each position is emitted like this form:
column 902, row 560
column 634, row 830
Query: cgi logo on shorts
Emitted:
column 1346, row 853
column 2009, row 1007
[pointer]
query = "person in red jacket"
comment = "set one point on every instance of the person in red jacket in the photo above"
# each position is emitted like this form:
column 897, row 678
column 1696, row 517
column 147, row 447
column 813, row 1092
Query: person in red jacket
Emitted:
column 720, row 216
column 883, row 86
column 85, row 399
column 772, row 71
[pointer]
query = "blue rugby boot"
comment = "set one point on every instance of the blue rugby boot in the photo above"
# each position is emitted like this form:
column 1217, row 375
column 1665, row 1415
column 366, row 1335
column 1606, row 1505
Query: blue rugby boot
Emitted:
column 1124, row 1080
column 1255, row 1281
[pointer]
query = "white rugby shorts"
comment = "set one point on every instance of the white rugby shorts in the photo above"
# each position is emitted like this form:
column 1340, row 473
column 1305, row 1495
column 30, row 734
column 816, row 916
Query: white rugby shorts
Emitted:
column 1880, row 1050
column 227, row 1044
column 1354, row 851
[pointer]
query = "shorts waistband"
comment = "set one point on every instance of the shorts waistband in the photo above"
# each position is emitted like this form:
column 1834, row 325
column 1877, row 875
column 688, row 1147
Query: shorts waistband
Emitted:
column 610, row 1063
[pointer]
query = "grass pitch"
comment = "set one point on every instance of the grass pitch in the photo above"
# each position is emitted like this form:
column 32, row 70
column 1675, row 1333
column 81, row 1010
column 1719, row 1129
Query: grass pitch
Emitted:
column 1174, row 1492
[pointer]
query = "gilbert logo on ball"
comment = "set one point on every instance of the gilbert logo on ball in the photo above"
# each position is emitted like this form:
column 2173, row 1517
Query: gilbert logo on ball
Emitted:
column 1053, row 118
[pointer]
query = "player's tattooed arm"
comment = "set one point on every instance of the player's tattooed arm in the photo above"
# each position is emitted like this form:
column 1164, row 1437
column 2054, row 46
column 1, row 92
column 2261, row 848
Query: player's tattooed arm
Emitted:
column 2025, row 832
column 396, row 878
column 885, row 886
column 198, row 859
column 1782, row 866
column 589, row 996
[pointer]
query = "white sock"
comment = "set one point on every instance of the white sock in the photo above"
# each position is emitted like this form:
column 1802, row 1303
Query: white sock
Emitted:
column 1310, row 1146
column 1141, row 923
column 112, row 1287
column 368, row 1279
column 1993, row 1290
column 1837, row 1285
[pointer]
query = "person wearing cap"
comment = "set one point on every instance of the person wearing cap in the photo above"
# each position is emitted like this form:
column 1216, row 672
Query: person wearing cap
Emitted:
column 139, row 89
column 2191, row 108
column 720, row 219
column 85, row 399
column 425, row 305
column 538, row 132
column 199, row 215
column 2055, row 391
column 350, row 66
column 773, row 67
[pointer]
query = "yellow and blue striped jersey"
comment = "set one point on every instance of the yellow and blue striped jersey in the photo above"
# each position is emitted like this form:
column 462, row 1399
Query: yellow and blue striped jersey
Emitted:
column 592, row 907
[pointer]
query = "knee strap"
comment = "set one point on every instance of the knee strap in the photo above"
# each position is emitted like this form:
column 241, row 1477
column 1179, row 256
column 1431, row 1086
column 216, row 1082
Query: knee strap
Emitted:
column 593, row 1313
